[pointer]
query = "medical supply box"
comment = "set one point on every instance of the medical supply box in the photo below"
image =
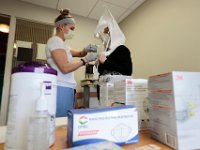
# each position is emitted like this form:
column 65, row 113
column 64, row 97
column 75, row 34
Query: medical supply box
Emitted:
column 97, row 146
column 175, row 109
column 125, row 90
column 134, row 92
column 118, row 124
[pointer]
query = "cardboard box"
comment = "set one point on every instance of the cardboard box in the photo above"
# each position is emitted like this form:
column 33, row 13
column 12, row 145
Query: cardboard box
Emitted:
column 107, row 95
column 134, row 92
column 106, row 82
column 117, row 124
column 112, row 78
column 122, row 91
column 175, row 109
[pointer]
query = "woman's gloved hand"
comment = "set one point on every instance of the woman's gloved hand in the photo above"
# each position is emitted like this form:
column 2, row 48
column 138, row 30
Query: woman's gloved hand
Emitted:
column 90, row 48
column 90, row 57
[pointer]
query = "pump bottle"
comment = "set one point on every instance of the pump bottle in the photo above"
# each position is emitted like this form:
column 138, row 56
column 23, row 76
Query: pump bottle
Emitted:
column 38, row 133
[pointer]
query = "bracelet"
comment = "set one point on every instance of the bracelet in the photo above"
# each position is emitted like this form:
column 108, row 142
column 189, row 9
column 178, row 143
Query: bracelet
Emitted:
column 83, row 61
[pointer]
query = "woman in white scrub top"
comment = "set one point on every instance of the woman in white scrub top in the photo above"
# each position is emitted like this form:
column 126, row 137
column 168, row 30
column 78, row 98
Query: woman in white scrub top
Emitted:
column 60, row 57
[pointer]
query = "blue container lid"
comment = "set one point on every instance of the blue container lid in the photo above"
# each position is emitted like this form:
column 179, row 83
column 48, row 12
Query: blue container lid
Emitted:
column 34, row 67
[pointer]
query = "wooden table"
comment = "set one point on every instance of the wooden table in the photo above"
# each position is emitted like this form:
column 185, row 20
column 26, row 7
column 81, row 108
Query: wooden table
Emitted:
column 144, row 139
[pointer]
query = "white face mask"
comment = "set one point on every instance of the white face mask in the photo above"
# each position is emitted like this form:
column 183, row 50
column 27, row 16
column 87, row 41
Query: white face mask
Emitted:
column 69, row 35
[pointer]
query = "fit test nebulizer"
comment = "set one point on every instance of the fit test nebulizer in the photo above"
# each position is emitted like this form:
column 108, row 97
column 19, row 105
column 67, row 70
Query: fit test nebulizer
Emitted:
column 25, row 89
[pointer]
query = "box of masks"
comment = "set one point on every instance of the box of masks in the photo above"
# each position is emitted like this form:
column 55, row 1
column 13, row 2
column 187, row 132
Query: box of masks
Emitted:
column 117, row 124
column 174, row 115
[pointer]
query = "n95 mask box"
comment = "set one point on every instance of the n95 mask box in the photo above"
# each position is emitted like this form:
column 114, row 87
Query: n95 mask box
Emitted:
column 174, row 109
column 118, row 124
column 97, row 146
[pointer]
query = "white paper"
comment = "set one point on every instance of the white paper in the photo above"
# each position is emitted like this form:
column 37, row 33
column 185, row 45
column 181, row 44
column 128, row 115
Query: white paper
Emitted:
column 41, row 53
column 23, row 44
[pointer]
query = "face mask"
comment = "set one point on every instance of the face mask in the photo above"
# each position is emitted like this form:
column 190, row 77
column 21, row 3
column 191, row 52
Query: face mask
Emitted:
column 69, row 35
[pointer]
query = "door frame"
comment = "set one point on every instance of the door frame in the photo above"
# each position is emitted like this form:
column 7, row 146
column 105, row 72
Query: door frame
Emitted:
column 7, row 72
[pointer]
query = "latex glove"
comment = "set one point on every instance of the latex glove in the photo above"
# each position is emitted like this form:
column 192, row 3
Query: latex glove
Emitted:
column 102, row 57
column 90, row 48
column 90, row 57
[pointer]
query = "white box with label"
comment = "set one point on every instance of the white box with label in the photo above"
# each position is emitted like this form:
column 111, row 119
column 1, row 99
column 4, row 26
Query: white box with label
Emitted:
column 175, row 109
column 117, row 124
column 107, row 95
column 106, row 82
column 134, row 92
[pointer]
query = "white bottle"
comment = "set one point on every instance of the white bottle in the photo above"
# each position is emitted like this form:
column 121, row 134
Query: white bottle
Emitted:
column 38, row 133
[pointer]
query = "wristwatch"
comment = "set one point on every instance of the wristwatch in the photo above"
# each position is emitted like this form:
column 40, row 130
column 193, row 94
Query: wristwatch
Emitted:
column 83, row 61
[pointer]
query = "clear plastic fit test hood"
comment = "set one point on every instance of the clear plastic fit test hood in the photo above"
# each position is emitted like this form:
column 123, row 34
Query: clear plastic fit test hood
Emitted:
column 117, row 36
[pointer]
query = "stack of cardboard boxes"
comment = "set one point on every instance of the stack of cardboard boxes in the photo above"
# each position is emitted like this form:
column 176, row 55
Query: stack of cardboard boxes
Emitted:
column 124, row 90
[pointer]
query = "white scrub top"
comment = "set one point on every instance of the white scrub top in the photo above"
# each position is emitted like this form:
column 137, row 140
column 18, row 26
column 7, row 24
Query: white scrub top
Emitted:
column 66, row 80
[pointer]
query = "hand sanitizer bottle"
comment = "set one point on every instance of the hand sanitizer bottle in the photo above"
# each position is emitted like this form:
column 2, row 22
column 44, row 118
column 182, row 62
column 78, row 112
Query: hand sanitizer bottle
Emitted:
column 38, row 134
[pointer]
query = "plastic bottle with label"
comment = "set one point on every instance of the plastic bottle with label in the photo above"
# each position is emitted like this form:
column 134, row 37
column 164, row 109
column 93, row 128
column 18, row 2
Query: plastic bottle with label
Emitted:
column 38, row 132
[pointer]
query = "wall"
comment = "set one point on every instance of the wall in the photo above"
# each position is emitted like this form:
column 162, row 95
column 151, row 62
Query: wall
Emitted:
column 164, row 35
column 84, row 27
column 15, row 8
column 83, row 36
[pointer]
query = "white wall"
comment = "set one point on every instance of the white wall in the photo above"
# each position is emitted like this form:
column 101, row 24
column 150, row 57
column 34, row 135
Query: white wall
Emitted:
column 18, row 9
column 84, row 34
column 164, row 35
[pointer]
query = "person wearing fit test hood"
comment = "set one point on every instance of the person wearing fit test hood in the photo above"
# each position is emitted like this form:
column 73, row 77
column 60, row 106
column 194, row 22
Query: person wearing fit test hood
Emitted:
column 60, row 57
column 116, row 59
